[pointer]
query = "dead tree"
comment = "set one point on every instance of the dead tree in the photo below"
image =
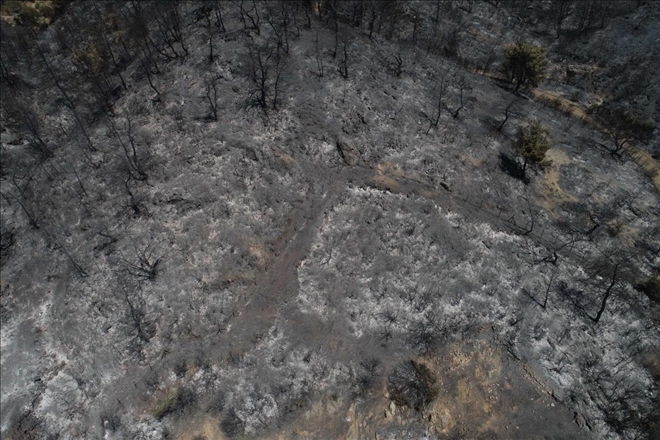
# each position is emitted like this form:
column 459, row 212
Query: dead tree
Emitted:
column 249, row 16
column 79, row 180
column 147, row 71
column 212, row 96
column 109, row 241
column 462, row 85
column 398, row 67
column 258, row 70
column 87, row 159
column 280, row 65
column 136, row 203
column 622, row 126
column 560, row 10
column 343, row 61
column 264, row 67
column 508, row 111
column 138, row 34
column 210, row 31
column 134, row 162
column 5, row 74
column 553, row 251
column 490, row 59
column 335, row 28
column 28, row 121
column 60, row 87
column 548, row 287
column 102, row 31
column 546, row 295
column 374, row 16
column 7, row 240
column 438, row 93
column 136, row 313
column 279, row 19
column 143, row 265
column 533, row 216
column 611, row 274
column 392, row 11
column 169, row 24
column 218, row 12
column 416, row 22
column 20, row 199
column 319, row 56
column 58, row 245
column 93, row 63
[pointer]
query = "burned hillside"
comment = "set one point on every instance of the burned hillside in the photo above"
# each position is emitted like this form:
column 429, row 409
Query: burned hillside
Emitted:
column 330, row 219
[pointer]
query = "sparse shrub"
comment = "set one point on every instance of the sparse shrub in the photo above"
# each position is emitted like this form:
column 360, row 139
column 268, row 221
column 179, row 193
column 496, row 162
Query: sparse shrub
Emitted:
column 231, row 424
column 622, row 125
column 614, row 228
column 263, row 66
column 452, row 44
column 7, row 240
column 367, row 376
column 217, row 403
column 651, row 288
column 411, row 385
column 37, row 13
column 166, row 405
column 176, row 400
column 533, row 143
column 425, row 335
column 180, row 367
column 524, row 64
column 110, row 419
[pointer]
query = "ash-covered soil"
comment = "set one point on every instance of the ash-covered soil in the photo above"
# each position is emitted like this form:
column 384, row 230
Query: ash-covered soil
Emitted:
column 338, row 266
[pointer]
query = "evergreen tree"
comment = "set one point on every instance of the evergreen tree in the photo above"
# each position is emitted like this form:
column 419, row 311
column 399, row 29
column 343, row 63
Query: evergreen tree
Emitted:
column 533, row 144
column 524, row 64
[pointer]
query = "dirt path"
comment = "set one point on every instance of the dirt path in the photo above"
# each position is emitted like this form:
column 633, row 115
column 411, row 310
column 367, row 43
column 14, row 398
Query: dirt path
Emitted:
column 642, row 158
column 277, row 287
column 650, row 166
column 278, row 284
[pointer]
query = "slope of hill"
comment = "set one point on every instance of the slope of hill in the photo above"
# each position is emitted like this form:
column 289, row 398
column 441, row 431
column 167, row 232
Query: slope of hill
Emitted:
column 308, row 220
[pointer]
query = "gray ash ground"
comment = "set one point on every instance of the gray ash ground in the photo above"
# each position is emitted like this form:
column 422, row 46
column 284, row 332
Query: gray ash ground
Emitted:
column 306, row 255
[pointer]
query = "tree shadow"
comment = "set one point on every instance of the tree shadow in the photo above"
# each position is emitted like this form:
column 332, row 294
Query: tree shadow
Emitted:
column 575, row 297
column 511, row 167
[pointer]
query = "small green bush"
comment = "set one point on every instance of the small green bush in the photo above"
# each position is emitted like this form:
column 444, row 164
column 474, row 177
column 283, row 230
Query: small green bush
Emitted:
column 166, row 405
column 176, row 400
column 533, row 144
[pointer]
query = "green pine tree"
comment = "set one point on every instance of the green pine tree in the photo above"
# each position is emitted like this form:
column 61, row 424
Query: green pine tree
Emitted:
column 533, row 143
column 524, row 64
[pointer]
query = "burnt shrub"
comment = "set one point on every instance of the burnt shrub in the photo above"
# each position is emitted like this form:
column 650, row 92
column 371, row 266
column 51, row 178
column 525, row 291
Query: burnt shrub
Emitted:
column 177, row 400
column 367, row 376
column 426, row 335
column 651, row 288
column 231, row 424
column 217, row 403
column 411, row 384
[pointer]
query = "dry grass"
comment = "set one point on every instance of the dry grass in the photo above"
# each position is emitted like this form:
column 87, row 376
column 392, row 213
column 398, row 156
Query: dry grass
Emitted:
column 553, row 194
column 24, row 12
column 566, row 106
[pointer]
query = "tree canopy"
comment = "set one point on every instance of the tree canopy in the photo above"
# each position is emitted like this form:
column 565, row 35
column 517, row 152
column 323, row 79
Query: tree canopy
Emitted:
column 524, row 64
column 623, row 126
column 533, row 143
